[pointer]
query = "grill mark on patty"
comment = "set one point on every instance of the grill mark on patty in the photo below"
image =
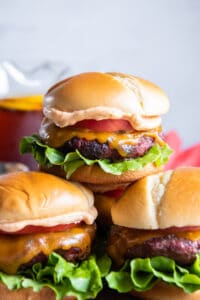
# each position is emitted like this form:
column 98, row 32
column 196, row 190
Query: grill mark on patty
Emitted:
column 95, row 150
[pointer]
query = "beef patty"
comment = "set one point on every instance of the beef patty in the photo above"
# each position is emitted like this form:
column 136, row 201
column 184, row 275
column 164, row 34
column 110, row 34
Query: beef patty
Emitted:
column 73, row 254
column 183, row 251
column 125, row 243
column 95, row 150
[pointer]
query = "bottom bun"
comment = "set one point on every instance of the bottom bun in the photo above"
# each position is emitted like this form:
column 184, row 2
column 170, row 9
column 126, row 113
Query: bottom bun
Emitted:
column 99, row 181
column 28, row 294
column 164, row 291
column 103, row 188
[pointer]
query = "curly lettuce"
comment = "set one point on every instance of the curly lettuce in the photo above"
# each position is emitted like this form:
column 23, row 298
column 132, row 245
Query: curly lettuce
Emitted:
column 82, row 280
column 141, row 274
column 48, row 156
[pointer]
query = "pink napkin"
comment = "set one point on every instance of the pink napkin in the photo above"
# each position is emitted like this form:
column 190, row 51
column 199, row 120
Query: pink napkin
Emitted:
column 180, row 157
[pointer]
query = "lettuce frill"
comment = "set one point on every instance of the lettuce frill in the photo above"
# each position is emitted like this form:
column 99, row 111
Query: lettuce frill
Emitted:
column 141, row 274
column 48, row 156
column 82, row 280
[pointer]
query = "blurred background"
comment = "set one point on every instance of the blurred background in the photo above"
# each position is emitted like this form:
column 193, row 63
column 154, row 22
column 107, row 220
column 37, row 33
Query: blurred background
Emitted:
column 156, row 39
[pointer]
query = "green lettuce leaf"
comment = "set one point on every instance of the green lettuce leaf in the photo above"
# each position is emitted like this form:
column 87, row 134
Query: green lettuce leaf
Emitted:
column 48, row 156
column 82, row 280
column 141, row 274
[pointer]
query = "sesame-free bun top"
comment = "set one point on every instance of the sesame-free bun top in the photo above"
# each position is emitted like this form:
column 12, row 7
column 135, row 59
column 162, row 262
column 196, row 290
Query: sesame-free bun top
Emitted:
column 100, row 96
column 164, row 200
column 36, row 198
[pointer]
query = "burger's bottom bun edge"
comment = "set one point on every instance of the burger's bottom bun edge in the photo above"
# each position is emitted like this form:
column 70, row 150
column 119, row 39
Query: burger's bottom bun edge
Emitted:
column 99, row 181
column 164, row 291
column 28, row 294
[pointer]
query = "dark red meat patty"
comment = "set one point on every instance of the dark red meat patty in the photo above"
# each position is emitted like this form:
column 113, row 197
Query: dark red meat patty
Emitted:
column 95, row 150
column 183, row 251
column 73, row 254
column 123, row 245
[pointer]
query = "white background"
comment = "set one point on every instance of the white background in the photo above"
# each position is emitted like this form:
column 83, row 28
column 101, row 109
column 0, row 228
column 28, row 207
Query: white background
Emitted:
column 155, row 39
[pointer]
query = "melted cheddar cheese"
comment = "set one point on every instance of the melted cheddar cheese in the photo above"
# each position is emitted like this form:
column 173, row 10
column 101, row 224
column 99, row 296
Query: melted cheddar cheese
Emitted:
column 56, row 137
column 17, row 250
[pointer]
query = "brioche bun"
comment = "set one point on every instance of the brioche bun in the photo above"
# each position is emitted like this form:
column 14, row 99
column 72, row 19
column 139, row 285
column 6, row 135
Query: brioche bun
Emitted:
column 105, row 96
column 28, row 294
column 164, row 291
column 40, row 199
column 164, row 200
column 99, row 181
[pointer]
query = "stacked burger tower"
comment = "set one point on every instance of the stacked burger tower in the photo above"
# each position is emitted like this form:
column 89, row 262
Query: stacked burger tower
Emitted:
column 102, row 133
column 102, row 130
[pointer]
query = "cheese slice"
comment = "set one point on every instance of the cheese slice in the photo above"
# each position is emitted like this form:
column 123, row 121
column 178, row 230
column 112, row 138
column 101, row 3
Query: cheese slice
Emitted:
column 56, row 137
column 17, row 250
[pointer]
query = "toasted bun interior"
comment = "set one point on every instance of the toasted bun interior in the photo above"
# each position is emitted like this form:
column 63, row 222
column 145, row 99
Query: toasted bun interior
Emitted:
column 40, row 199
column 106, row 96
column 159, row 201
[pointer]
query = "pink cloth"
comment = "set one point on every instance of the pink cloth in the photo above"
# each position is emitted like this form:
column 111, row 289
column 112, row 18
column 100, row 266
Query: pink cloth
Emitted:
column 180, row 157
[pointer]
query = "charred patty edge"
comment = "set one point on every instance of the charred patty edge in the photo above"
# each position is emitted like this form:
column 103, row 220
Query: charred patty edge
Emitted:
column 122, row 246
column 96, row 150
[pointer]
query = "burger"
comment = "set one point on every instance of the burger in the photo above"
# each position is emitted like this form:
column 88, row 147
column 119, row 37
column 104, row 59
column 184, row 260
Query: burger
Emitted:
column 46, row 233
column 155, row 242
column 101, row 129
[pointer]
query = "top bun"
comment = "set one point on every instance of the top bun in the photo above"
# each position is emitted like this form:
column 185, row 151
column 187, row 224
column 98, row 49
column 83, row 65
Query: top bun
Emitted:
column 36, row 198
column 105, row 95
column 164, row 200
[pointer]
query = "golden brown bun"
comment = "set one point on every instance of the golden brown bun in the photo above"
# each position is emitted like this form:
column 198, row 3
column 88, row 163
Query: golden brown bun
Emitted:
column 48, row 294
column 164, row 291
column 36, row 198
column 28, row 294
column 102, row 188
column 167, row 199
column 129, row 93
column 105, row 96
column 99, row 181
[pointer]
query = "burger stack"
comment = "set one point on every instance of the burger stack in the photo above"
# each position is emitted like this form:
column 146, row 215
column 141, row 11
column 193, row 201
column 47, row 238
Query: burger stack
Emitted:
column 101, row 133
